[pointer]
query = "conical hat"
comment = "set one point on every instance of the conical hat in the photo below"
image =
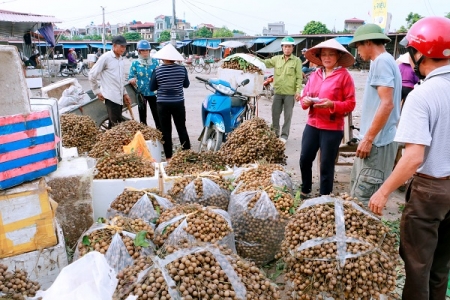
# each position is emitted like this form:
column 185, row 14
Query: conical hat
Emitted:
column 168, row 52
column 313, row 54
column 403, row 59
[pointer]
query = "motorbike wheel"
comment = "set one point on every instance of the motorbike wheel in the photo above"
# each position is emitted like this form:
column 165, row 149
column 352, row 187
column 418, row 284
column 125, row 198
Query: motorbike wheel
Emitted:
column 207, row 68
column 212, row 139
column 64, row 72
column 198, row 68
column 84, row 71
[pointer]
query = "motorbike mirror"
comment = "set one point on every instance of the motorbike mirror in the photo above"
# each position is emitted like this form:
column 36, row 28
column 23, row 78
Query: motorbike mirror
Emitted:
column 245, row 82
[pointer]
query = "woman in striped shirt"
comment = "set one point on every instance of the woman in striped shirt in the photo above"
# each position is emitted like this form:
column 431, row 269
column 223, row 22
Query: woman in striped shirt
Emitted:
column 169, row 79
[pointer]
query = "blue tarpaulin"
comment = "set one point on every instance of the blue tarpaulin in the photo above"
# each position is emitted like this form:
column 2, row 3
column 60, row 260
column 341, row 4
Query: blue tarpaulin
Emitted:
column 213, row 44
column 47, row 32
column 263, row 40
column 344, row 40
column 99, row 45
column 75, row 46
column 201, row 43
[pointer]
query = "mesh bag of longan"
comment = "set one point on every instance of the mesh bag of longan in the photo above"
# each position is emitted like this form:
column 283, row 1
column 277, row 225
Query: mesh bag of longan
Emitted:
column 335, row 248
column 144, row 204
column 195, row 224
column 207, row 189
column 120, row 247
column 198, row 272
column 258, row 217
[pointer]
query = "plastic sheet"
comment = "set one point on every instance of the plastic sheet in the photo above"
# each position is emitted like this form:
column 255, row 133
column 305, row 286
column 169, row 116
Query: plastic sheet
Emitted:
column 179, row 235
column 223, row 260
column 259, row 231
column 211, row 194
column 143, row 208
column 117, row 255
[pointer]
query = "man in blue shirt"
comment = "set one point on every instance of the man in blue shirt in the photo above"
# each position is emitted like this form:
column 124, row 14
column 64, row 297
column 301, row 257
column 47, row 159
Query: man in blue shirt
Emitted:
column 376, row 151
column 140, row 74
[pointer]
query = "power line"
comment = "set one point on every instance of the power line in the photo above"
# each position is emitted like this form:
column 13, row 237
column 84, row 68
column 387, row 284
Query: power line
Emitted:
column 238, row 26
column 111, row 12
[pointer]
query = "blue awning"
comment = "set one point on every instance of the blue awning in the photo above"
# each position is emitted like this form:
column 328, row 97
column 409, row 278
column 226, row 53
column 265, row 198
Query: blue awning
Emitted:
column 200, row 43
column 99, row 45
column 75, row 46
column 344, row 40
column 263, row 40
column 179, row 44
column 213, row 44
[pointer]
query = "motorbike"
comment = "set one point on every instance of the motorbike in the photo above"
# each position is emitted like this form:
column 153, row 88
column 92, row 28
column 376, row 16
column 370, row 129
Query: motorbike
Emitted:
column 81, row 68
column 223, row 111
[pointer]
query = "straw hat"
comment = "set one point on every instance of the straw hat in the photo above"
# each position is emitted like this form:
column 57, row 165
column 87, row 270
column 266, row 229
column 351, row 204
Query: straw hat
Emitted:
column 403, row 59
column 168, row 52
column 346, row 59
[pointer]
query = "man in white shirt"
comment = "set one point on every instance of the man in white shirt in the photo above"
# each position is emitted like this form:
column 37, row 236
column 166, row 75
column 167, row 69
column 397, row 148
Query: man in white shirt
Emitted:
column 110, row 70
column 423, row 127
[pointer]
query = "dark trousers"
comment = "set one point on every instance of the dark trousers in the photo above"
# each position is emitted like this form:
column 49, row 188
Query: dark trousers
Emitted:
column 425, row 239
column 114, row 113
column 405, row 91
column 177, row 111
column 328, row 142
column 154, row 110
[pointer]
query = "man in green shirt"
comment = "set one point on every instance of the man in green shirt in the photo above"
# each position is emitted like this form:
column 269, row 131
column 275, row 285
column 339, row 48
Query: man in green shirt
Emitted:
column 287, row 84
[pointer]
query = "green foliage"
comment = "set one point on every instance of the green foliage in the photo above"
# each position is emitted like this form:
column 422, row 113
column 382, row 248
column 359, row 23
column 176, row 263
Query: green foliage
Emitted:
column 63, row 38
column 412, row 18
column 203, row 32
column 238, row 31
column 223, row 32
column 164, row 36
column 140, row 240
column 77, row 38
column 94, row 37
column 402, row 29
column 447, row 15
column 132, row 36
column 315, row 27
column 394, row 226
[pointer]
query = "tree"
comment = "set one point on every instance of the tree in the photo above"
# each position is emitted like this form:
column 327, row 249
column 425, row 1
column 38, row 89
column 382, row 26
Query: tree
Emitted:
column 132, row 36
column 447, row 15
column 238, row 31
column 164, row 36
column 203, row 32
column 315, row 27
column 222, row 32
column 77, row 38
column 412, row 18
column 402, row 29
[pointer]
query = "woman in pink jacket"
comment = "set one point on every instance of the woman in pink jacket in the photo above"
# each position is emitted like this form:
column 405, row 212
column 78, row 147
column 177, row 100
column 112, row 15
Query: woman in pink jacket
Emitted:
column 329, row 95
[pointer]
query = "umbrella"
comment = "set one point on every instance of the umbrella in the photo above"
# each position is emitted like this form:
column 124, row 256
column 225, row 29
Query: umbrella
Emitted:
column 232, row 44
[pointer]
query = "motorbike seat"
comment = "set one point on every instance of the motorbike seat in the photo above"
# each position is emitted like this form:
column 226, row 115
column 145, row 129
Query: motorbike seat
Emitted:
column 237, row 101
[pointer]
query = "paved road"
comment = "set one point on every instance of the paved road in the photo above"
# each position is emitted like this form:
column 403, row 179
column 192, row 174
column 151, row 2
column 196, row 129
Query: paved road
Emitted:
column 196, row 93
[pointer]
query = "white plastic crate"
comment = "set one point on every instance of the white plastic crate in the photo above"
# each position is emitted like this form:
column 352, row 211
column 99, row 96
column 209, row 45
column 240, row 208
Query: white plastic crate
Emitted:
column 104, row 191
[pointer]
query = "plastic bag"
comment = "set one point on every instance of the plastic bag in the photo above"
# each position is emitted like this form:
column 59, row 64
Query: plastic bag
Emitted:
column 71, row 96
column 138, row 146
column 259, row 230
column 87, row 278
column 117, row 254
column 204, row 191
column 162, row 265
column 179, row 234
column 144, row 208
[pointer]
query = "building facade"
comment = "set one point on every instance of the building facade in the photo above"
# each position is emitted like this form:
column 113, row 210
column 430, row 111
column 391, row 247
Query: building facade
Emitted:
column 277, row 28
column 352, row 24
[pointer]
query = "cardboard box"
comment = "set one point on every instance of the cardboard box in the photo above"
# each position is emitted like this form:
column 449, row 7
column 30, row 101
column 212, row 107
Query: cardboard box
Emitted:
column 42, row 265
column 26, row 219
column 104, row 191
column 27, row 148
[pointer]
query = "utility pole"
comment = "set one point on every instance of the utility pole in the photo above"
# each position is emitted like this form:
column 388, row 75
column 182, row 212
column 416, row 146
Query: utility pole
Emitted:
column 103, row 35
column 173, row 33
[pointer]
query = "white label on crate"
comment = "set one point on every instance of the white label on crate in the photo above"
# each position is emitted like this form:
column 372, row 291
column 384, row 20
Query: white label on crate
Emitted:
column 17, row 209
column 23, row 235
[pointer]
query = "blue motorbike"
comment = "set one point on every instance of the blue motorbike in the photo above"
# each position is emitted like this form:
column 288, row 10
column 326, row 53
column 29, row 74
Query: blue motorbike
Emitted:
column 223, row 111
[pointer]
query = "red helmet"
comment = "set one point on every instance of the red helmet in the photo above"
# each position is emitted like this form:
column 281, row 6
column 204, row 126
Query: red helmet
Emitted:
column 431, row 37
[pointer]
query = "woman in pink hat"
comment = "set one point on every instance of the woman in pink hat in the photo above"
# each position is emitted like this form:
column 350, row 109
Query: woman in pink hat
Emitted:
column 329, row 95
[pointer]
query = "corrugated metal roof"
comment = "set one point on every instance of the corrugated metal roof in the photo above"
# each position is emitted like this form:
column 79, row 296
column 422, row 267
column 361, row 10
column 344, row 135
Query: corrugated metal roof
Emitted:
column 11, row 16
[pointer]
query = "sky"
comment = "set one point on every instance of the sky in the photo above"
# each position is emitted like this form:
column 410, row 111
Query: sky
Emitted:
column 250, row 16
